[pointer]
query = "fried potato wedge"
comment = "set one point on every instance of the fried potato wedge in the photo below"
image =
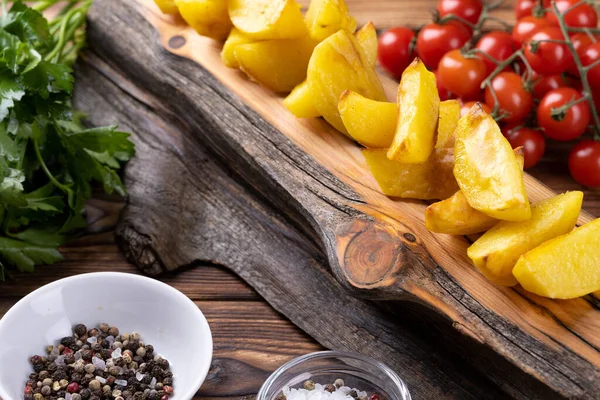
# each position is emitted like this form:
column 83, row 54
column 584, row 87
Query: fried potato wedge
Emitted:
column 455, row 216
column 419, row 110
column 208, row 17
column 448, row 120
column 367, row 38
column 268, row 19
column 300, row 103
column 227, row 54
column 487, row 170
column 565, row 267
column 369, row 122
column 497, row 251
column 326, row 17
column 431, row 180
column 337, row 64
column 167, row 6
column 279, row 65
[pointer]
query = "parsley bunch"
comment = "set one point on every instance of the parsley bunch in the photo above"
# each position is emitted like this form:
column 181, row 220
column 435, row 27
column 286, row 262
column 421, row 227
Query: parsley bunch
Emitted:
column 48, row 160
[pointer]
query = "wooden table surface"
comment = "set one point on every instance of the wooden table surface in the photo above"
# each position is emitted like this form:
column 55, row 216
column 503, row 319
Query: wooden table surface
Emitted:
column 250, row 339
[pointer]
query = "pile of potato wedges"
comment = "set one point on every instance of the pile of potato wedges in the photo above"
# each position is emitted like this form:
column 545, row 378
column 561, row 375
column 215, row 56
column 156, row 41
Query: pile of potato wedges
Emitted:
column 418, row 147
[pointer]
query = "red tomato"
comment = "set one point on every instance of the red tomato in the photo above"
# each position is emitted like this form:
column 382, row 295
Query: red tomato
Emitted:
column 569, row 126
column 498, row 45
column 469, row 10
column 394, row 50
column 533, row 142
column 584, row 163
column 442, row 90
column 580, row 41
column 435, row 40
column 461, row 75
column 465, row 107
column 514, row 101
column 590, row 55
column 582, row 16
column 527, row 26
column 523, row 8
column 544, row 84
column 549, row 58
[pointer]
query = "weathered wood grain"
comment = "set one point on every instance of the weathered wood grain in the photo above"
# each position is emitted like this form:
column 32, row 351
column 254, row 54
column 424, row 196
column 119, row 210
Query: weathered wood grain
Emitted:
column 328, row 196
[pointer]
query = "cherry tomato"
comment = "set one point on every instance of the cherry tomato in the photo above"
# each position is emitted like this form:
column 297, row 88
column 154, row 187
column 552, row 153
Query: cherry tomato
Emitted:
column 580, row 41
column 590, row 55
column 544, row 84
column 574, row 121
column 514, row 101
column 527, row 26
column 435, row 40
column 584, row 163
column 582, row 16
column 523, row 8
column 461, row 75
column 443, row 91
column 469, row 10
column 533, row 142
column 498, row 45
column 394, row 50
column 465, row 107
column 549, row 58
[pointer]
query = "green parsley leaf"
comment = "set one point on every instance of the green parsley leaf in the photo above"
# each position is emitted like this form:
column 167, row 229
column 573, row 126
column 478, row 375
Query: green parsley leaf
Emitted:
column 24, row 256
column 27, row 24
column 10, row 91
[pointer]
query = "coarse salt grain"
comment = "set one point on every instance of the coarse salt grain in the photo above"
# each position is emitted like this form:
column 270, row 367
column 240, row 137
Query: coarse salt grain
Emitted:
column 60, row 360
column 152, row 383
column 139, row 376
column 110, row 340
column 98, row 363
column 116, row 353
column 121, row 382
column 101, row 379
column 68, row 396
column 55, row 352
column 92, row 340
column 319, row 393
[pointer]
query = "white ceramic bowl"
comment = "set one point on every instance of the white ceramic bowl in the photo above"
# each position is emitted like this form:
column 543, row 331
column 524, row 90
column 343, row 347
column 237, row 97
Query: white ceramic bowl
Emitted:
column 164, row 317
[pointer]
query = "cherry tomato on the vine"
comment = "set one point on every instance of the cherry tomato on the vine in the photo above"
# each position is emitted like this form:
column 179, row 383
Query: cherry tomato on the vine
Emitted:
column 572, row 123
column 465, row 107
column 461, row 75
column 590, row 55
column 527, row 26
column 544, row 84
column 498, row 45
column 514, row 101
column 395, row 51
column 435, row 40
column 548, row 58
column 469, row 10
column 584, row 163
column 533, row 142
column 582, row 16
column 581, row 41
column 524, row 8
column 443, row 91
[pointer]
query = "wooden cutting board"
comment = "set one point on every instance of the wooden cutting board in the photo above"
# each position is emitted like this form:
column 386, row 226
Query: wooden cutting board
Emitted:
column 377, row 247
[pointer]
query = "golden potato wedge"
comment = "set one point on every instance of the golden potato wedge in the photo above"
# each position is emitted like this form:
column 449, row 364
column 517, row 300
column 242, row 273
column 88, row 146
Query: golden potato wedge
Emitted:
column 369, row 122
column 367, row 38
column 487, row 170
column 227, row 54
column 448, row 120
column 300, row 103
column 565, row 267
column 279, row 65
column 167, row 6
column 454, row 216
column 338, row 64
column 419, row 111
column 268, row 19
column 431, row 180
column 207, row 17
column 326, row 17
column 497, row 251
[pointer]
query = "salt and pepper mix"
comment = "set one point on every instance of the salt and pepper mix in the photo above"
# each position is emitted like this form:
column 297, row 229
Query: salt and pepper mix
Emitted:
column 99, row 364
column 331, row 391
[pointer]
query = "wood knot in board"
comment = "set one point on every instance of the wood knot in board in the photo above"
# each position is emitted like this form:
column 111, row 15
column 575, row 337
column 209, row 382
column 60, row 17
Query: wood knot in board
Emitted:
column 177, row 42
column 371, row 253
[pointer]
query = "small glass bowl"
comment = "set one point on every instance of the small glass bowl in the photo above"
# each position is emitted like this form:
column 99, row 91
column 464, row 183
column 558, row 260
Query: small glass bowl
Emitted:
column 357, row 371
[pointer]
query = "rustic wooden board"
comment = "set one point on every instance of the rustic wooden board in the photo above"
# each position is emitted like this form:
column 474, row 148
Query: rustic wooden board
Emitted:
column 318, row 177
